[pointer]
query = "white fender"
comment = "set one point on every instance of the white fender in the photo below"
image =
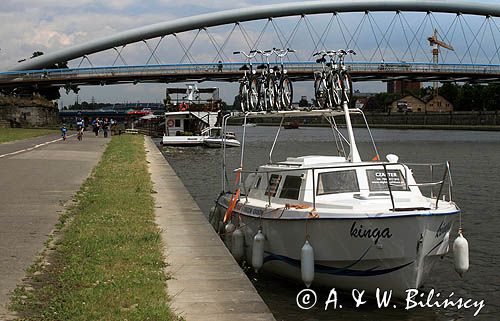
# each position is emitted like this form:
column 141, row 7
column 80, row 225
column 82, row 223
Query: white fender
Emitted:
column 307, row 264
column 461, row 254
column 228, row 233
column 258, row 251
column 237, row 246
column 211, row 216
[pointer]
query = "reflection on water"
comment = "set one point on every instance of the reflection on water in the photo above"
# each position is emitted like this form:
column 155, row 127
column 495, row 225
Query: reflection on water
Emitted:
column 474, row 158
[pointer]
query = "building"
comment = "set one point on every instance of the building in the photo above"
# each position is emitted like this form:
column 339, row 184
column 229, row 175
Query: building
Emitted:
column 410, row 103
column 402, row 87
column 438, row 103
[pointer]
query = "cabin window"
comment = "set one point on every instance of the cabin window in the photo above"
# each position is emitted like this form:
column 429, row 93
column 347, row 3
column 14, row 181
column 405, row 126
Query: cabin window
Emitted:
column 338, row 182
column 291, row 187
column 177, row 123
column 272, row 187
column 378, row 182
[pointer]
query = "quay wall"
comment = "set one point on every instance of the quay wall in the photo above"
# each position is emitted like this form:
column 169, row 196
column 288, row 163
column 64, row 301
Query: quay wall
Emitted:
column 28, row 116
column 478, row 120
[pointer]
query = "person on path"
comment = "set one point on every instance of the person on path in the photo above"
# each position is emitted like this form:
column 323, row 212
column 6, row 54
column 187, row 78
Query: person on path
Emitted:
column 105, row 127
column 95, row 126
column 64, row 131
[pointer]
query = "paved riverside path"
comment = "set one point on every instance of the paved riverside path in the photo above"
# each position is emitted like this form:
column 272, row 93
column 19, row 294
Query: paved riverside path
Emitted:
column 34, row 185
column 206, row 282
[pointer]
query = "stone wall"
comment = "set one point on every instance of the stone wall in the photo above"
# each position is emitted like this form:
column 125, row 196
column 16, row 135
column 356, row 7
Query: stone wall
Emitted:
column 28, row 116
column 469, row 118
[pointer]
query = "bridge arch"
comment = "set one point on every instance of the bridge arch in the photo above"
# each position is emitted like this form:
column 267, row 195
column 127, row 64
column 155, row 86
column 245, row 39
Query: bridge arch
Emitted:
column 255, row 13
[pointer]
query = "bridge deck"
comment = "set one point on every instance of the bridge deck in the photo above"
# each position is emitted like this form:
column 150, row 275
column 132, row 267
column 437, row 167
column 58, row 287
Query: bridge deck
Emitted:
column 229, row 72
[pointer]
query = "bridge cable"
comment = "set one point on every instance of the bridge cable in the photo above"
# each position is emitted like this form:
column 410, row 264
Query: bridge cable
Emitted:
column 388, row 38
column 311, row 26
column 480, row 47
column 277, row 32
column 153, row 51
column 187, row 53
column 247, row 37
column 119, row 56
column 494, row 42
column 383, row 37
column 226, row 41
column 358, row 29
column 219, row 49
column 374, row 37
column 465, row 39
column 455, row 25
column 347, row 43
column 83, row 58
column 498, row 49
column 257, row 42
column 475, row 37
column 292, row 36
column 325, row 32
column 406, row 37
column 415, row 35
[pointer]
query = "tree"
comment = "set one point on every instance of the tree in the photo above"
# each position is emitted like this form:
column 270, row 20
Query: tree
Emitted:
column 237, row 102
column 303, row 102
column 47, row 92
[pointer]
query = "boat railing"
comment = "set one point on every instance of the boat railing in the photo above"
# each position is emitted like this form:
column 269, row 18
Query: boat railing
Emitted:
column 445, row 178
column 433, row 172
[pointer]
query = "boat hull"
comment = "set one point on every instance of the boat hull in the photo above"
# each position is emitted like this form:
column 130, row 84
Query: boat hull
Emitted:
column 364, row 253
column 217, row 142
column 182, row 141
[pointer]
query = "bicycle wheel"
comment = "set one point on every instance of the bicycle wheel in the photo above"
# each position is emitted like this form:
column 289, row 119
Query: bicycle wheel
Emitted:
column 271, row 94
column 346, row 88
column 254, row 94
column 262, row 94
column 244, row 96
column 286, row 93
column 321, row 92
column 336, row 91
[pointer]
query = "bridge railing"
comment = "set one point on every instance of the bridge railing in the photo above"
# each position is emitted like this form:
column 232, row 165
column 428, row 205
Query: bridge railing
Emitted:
column 233, row 68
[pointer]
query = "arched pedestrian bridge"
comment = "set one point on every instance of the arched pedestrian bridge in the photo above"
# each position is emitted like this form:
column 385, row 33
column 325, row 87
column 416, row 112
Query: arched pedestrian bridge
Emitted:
column 391, row 39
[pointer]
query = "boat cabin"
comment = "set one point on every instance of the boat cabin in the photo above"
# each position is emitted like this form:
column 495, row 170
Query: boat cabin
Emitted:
column 186, row 123
column 333, row 182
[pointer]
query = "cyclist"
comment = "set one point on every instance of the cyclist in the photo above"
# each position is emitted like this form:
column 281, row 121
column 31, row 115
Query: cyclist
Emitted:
column 64, row 130
column 80, row 125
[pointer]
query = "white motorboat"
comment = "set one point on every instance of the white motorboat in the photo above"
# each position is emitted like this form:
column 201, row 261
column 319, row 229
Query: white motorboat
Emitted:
column 187, row 128
column 217, row 140
column 337, row 221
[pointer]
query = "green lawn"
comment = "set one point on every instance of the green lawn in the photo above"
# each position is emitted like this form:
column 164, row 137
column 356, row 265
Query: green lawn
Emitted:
column 107, row 263
column 10, row 134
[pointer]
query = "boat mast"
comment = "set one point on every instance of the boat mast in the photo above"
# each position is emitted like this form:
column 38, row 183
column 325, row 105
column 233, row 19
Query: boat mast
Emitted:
column 353, row 153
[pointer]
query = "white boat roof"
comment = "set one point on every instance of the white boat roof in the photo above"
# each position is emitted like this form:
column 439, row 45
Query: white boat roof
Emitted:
column 311, row 160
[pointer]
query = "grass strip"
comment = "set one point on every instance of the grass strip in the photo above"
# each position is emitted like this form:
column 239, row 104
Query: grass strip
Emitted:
column 107, row 263
column 11, row 134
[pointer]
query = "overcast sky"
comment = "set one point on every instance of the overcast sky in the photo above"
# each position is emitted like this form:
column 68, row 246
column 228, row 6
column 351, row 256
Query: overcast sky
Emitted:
column 48, row 25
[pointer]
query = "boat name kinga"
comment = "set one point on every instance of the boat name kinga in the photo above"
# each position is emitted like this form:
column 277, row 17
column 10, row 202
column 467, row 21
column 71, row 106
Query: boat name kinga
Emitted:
column 376, row 233
column 443, row 229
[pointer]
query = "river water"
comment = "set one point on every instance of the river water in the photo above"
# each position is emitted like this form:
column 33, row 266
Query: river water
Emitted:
column 474, row 158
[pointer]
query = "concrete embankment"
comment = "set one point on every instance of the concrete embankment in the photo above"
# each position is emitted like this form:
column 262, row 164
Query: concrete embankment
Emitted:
column 38, row 176
column 470, row 120
column 206, row 282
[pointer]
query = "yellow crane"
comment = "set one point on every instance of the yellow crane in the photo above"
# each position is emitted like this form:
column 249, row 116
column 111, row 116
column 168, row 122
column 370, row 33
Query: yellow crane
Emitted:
column 435, row 44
